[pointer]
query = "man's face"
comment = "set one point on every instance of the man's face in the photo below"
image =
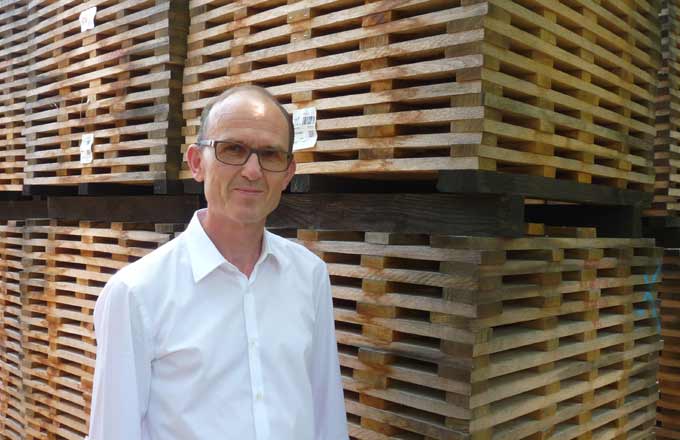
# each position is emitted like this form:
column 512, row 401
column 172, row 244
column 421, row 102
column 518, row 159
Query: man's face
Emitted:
column 243, row 193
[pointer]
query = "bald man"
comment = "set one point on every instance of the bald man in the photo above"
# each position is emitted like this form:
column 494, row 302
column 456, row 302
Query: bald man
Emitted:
column 226, row 332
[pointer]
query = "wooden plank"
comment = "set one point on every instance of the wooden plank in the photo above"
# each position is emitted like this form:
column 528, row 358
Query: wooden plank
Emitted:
column 17, row 210
column 401, row 213
column 166, row 209
column 469, row 182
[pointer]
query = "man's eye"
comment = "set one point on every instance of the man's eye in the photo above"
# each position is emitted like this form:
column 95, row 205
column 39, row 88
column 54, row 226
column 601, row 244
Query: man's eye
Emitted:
column 270, row 154
column 233, row 149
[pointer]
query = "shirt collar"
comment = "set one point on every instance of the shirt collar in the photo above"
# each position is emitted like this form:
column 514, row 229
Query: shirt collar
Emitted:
column 205, row 258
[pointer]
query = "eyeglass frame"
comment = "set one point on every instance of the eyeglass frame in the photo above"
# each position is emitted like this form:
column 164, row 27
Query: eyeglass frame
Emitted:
column 251, row 151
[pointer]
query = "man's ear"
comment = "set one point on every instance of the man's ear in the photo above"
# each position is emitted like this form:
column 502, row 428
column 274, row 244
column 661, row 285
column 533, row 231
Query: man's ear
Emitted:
column 196, row 161
column 290, row 172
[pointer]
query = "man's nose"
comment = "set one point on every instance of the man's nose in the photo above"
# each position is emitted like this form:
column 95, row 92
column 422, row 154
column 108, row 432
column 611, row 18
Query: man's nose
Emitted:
column 251, row 169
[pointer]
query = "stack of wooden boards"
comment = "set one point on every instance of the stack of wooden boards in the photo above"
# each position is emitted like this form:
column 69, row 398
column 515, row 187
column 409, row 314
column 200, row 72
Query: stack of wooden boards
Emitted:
column 669, row 368
column 667, row 148
column 445, row 337
column 551, row 336
column 407, row 88
column 440, row 337
column 118, row 82
column 51, row 273
column 663, row 220
column 14, row 71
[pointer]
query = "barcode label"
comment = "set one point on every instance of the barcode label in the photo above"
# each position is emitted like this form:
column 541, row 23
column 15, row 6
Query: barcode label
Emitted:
column 304, row 123
column 87, row 19
column 86, row 148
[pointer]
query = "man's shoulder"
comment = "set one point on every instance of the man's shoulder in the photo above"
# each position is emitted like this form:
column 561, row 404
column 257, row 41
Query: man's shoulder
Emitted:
column 152, row 266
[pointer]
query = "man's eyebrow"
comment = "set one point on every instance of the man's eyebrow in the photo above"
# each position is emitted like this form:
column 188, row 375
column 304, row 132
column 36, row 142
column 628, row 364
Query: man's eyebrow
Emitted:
column 238, row 141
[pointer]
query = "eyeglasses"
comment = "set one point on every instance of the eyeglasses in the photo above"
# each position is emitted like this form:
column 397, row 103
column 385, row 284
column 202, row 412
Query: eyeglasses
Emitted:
column 233, row 153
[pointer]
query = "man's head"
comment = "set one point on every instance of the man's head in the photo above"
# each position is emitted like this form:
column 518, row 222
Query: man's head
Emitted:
column 238, row 89
column 245, row 118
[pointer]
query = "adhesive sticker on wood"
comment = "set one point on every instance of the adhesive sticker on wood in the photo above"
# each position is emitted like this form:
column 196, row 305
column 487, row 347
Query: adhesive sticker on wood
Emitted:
column 304, row 123
column 87, row 19
column 86, row 148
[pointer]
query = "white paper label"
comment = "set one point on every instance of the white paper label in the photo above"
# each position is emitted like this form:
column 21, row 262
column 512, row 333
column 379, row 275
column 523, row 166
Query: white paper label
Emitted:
column 87, row 19
column 86, row 148
column 304, row 123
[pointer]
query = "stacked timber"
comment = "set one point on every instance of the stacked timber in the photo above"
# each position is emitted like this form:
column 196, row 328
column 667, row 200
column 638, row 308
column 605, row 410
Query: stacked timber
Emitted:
column 13, row 85
column 59, row 269
column 666, row 148
column 451, row 337
column 440, row 337
column 668, row 418
column 405, row 89
column 662, row 219
column 12, row 414
column 103, row 103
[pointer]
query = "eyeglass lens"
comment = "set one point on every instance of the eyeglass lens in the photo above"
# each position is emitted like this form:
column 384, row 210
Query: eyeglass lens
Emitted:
column 237, row 154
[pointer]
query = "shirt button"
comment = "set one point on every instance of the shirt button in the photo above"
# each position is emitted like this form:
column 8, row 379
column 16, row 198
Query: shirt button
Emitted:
column 258, row 396
column 253, row 343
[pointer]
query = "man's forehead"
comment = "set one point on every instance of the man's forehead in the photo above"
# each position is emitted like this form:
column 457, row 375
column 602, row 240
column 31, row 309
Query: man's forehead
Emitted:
column 244, row 104
column 246, row 107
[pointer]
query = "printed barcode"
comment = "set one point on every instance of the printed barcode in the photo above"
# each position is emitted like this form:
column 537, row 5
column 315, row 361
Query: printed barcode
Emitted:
column 308, row 120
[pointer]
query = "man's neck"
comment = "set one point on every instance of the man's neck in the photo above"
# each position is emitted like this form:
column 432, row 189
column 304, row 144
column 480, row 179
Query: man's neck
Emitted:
column 240, row 244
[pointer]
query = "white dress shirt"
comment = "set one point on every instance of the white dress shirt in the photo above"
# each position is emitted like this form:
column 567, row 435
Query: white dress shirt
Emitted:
column 189, row 348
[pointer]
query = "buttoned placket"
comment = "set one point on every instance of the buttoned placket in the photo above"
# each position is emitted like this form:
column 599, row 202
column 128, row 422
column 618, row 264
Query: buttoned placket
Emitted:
column 260, row 415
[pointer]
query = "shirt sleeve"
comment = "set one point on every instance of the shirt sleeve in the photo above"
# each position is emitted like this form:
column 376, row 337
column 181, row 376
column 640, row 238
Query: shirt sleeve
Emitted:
column 330, row 419
column 123, row 368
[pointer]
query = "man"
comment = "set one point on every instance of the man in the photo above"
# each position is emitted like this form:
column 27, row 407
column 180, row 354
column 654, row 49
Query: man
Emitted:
column 227, row 331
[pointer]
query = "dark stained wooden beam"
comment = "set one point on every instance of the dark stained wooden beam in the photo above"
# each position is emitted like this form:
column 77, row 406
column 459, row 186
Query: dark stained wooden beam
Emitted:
column 23, row 209
column 156, row 209
column 610, row 221
column 536, row 187
column 484, row 215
